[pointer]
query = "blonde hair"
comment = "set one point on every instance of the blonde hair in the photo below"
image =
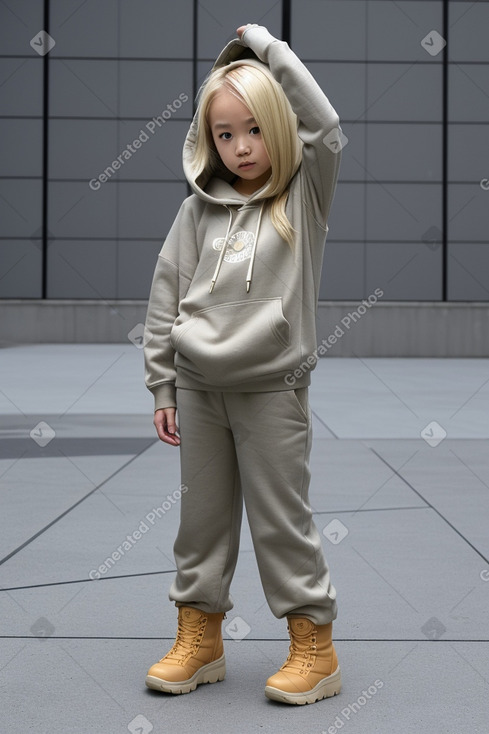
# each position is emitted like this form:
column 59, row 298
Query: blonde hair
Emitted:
column 255, row 86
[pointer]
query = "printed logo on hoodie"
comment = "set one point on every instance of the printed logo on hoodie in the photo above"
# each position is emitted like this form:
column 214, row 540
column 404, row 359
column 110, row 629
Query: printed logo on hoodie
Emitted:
column 239, row 247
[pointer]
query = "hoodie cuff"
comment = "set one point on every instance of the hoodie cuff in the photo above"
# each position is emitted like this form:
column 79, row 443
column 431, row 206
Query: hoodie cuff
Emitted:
column 258, row 38
column 165, row 396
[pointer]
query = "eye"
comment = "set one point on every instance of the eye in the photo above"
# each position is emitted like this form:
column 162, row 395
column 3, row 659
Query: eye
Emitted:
column 255, row 130
column 223, row 134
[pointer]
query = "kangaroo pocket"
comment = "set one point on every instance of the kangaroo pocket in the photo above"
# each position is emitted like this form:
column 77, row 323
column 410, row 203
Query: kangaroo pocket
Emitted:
column 234, row 342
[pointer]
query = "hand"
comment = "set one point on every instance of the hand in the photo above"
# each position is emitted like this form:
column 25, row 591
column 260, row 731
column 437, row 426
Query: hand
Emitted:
column 242, row 29
column 166, row 428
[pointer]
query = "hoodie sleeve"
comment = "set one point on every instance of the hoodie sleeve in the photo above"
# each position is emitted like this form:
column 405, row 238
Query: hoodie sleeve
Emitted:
column 316, row 116
column 174, row 270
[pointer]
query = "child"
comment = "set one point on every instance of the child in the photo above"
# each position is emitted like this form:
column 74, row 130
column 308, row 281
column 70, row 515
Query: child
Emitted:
column 231, row 315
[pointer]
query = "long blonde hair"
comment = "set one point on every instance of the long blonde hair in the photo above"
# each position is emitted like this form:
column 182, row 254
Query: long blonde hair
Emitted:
column 254, row 85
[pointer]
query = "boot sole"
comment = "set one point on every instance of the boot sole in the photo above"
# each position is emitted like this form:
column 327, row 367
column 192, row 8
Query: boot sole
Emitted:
column 210, row 673
column 326, row 688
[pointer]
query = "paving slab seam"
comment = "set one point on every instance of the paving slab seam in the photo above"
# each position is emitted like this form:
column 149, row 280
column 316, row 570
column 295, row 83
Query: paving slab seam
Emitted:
column 78, row 502
column 369, row 509
column 251, row 639
column 88, row 580
column 432, row 507
column 318, row 418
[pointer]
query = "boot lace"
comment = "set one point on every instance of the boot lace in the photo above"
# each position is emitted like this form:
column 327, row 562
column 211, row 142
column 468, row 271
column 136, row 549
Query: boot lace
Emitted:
column 188, row 640
column 302, row 655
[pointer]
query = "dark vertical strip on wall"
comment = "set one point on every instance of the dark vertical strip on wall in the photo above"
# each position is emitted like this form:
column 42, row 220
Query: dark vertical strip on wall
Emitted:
column 444, row 205
column 286, row 20
column 195, row 72
column 45, row 112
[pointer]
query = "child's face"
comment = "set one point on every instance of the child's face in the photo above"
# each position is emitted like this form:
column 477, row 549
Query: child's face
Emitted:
column 239, row 142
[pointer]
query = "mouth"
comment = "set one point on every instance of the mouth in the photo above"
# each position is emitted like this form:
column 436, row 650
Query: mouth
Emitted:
column 245, row 165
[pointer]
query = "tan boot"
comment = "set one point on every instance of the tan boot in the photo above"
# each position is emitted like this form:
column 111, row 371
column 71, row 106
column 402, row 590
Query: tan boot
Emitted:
column 196, row 657
column 311, row 671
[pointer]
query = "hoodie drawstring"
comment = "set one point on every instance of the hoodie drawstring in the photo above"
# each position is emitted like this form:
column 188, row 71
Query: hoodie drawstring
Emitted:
column 249, row 274
column 252, row 258
column 223, row 252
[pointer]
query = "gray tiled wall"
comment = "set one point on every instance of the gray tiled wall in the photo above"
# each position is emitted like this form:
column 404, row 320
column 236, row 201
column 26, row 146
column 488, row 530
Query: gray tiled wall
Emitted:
column 117, row 64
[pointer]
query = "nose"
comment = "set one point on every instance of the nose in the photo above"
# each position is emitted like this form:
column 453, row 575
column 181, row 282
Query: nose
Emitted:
column 242, row 146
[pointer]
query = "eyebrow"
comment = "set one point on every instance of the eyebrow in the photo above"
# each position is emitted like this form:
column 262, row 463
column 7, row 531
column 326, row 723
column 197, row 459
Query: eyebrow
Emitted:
column 227, row 124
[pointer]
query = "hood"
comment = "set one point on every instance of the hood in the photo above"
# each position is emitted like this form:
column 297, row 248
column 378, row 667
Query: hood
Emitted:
column 215, row 187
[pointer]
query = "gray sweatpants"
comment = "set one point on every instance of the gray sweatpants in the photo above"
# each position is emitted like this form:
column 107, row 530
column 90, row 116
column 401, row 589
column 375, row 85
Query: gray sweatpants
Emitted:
column 256, row 446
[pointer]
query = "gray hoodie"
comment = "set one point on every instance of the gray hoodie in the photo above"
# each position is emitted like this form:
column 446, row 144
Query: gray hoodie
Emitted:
column 256, row 322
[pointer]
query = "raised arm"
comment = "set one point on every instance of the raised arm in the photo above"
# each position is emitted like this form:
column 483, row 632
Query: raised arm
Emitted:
column 316, row 115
